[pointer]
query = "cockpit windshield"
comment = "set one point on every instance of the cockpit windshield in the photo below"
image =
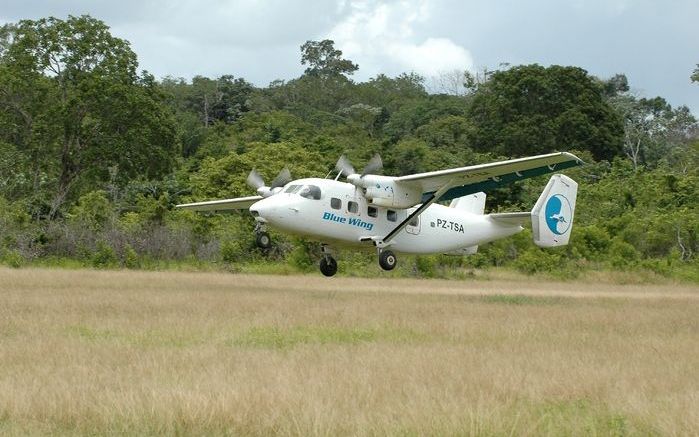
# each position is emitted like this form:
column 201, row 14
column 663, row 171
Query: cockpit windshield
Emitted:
column 310, row 192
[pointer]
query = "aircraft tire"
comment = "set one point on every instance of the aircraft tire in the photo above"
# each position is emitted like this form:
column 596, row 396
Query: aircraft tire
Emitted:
column 387, row 260
column 263, row 240
column 328, row 266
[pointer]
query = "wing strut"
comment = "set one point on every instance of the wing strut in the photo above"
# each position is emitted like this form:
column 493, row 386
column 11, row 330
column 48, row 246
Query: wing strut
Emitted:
column 429, row 201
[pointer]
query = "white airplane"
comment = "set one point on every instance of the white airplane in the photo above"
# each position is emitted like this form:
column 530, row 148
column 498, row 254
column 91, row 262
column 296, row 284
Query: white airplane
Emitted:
column 400, row 214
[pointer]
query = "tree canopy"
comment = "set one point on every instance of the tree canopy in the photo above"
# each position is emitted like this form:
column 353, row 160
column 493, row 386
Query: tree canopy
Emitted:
column 94, row 153
column 76, row 108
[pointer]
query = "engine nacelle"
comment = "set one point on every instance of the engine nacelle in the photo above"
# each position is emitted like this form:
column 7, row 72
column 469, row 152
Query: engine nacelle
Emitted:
column 385, row 191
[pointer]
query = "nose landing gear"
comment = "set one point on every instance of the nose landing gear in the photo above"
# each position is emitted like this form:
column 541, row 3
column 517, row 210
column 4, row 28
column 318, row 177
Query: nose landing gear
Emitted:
column 262, row 239
column 328, row 265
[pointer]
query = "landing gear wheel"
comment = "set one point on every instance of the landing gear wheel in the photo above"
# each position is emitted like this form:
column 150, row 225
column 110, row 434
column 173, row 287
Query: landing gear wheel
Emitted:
column 262, row 240
column 328, row 266
column 387, row 260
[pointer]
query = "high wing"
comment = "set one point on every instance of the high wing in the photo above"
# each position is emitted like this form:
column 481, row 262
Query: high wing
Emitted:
column 221, row 205
column 484, row 177
column 458, row 182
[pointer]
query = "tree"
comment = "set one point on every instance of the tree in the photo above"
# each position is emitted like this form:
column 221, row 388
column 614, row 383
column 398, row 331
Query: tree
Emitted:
column 616, row 85
column 7, row 32
column 93, row 110
column 325, row 60
column 531, row 109
column 653, row 130
column 695, row 75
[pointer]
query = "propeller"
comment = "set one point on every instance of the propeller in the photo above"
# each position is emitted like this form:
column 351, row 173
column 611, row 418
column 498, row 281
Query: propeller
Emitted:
column 283, row 178
column 345, row 167
column 374, row 165
column 256, row 182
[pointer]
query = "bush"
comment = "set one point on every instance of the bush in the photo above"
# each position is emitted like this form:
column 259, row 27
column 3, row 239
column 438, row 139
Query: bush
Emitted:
column 12, row 258
column 592, row 242
column 622, row 254
column 104, row 256
column 93, row 210
column 231, row 251
column 537, row 261
column 425, row 266
column 305, row 255
column 131, row 259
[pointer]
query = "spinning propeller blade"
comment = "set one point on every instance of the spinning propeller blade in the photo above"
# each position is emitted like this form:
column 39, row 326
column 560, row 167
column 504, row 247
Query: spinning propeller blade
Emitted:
column 344, row 166
column 254, row 180
column 374, row 165
column 283, row 178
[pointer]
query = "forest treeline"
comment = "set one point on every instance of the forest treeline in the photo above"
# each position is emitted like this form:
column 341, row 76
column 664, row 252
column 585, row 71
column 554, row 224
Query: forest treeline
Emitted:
column 94, row 154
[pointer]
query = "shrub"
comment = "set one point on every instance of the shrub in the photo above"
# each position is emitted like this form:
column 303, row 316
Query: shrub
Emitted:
column 12, row 258
column 591, row 241
column 425, row 266
column 131, row 259
column 93, row 210
column 104, row 256
column 231, row 251
column 537, row 261
column 622, row 254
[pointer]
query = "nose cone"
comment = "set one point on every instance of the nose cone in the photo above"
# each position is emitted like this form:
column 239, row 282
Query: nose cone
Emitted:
column 261, row 210
column 276, row 210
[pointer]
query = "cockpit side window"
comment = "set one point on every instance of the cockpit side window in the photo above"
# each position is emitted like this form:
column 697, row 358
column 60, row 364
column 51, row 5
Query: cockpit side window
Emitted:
column 310, row 192
column 291, row 189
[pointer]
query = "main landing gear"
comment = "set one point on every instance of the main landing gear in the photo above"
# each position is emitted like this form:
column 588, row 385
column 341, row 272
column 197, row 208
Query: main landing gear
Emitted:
column 387, row 259
column 328, row 265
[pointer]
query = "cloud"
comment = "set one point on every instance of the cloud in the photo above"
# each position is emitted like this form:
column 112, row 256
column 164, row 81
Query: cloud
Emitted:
column 382, row 38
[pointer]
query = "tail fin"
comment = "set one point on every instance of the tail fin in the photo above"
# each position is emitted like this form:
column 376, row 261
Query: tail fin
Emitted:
column 473, row 203
column 552, row 216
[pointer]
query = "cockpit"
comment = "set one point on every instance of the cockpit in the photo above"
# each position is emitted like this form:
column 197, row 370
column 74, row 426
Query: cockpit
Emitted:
column 307, row 191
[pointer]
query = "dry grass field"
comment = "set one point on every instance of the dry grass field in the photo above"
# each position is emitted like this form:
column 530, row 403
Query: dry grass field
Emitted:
column 95, row 352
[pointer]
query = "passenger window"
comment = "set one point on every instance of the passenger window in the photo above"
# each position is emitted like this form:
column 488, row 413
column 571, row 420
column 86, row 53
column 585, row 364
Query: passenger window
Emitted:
column 292, row 188
column 352, row 207
column 372, row 212
column 391, row 215
column 415, row 222
column 310, row 192
column 335, row 203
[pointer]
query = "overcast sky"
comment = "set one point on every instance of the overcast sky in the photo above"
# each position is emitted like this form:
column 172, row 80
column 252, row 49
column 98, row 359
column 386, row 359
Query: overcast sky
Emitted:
column 655, row 43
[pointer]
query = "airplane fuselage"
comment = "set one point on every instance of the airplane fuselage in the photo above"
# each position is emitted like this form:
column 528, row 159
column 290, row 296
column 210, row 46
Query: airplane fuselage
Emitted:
column 337, row 213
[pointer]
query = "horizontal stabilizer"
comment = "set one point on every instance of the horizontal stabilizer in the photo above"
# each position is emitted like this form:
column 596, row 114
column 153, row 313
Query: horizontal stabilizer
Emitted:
column 511, row 218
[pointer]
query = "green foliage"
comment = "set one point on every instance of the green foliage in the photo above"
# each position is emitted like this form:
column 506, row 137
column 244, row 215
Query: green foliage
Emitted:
column 76, row 105
column 324, row 59
column 131, row 258
column 426, row 266
column 622, row 254
column 531, row 109
column 538, row 261
column 93, row 210
column 104, row 256
column 12, row 258
column 91, row 164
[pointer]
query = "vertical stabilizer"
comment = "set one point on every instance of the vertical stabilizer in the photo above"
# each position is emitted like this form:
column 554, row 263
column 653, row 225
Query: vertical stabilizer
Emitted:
column 552, row 216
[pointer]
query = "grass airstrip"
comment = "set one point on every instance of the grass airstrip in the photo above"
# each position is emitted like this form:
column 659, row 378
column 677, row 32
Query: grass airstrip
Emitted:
column 122, row 352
